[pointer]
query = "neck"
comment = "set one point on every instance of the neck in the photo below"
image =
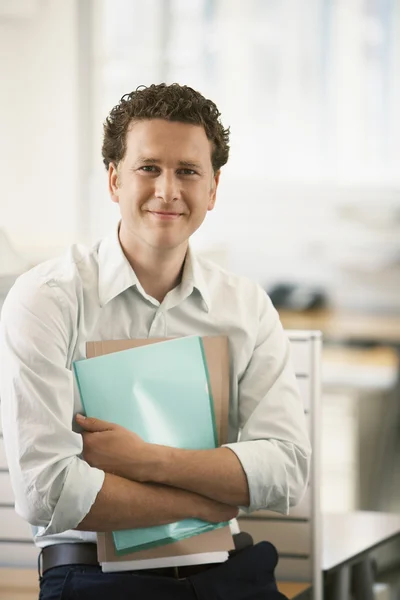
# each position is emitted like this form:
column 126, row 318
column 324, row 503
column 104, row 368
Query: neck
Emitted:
column 158, row 270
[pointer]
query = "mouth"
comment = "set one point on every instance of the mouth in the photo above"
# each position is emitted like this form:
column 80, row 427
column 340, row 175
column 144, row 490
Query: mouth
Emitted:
column 164, row 215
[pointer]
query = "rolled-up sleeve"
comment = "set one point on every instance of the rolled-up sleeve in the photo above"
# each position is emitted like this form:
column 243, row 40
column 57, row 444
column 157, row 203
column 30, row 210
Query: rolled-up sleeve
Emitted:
column 274, row 447
column 54, row 488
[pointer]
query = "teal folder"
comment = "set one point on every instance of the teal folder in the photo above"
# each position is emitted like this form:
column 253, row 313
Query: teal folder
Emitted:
column 162, row 393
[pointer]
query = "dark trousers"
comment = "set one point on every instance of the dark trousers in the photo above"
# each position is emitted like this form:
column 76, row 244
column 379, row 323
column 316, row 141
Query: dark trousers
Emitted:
column 248, row 575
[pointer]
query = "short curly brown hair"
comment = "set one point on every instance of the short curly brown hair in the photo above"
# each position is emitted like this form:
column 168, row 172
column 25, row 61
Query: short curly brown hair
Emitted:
column 171, row 102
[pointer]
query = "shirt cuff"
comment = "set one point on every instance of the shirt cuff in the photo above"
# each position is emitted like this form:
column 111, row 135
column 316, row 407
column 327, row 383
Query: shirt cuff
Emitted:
column 263, row 464
column 80, row 489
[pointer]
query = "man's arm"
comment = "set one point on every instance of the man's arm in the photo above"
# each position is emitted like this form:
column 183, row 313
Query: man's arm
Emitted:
column 268, row 468
column 216, row 474
column 123, row 504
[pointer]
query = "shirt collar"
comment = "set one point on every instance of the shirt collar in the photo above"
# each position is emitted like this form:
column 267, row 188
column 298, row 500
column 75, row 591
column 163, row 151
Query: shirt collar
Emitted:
column 116, row 274
column 193, row 277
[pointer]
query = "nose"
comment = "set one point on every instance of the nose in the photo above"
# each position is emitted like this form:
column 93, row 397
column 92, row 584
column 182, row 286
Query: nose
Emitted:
column 167, row 187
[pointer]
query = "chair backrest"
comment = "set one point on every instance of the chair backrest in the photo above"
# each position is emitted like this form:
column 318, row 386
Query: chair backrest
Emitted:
column 297, row 536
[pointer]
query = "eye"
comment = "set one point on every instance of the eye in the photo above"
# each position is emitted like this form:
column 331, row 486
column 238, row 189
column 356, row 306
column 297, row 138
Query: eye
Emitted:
column 149, row 169
column 187, row 172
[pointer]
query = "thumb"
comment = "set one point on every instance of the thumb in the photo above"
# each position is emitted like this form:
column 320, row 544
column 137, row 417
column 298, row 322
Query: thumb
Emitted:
column 92, row 424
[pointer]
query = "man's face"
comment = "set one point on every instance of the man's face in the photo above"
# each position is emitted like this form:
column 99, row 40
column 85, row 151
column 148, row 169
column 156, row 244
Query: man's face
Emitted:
column 165, row 184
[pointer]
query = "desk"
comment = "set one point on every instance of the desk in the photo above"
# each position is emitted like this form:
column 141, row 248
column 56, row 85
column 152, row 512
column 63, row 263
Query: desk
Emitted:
column 346, row 326
column 383, row 356
column 362, row 369
column 348, row 540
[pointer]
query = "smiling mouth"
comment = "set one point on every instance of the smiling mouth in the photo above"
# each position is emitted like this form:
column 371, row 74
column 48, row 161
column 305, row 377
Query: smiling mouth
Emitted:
column 165, row 215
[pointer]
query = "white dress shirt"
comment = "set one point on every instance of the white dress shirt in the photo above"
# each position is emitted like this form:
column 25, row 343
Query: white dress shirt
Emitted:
column 93, row 294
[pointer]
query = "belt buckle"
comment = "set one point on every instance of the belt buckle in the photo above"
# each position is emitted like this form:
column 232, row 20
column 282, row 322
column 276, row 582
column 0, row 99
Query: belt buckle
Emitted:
column 40, row 564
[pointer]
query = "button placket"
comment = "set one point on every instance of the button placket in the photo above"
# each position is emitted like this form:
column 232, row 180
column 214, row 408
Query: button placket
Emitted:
column 157, row 327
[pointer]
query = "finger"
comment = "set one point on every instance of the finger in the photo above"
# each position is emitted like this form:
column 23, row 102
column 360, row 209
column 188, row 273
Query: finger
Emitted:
column 91, row 424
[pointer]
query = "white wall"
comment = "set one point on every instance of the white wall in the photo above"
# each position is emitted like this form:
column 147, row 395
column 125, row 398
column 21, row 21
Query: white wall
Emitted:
column 39, row 126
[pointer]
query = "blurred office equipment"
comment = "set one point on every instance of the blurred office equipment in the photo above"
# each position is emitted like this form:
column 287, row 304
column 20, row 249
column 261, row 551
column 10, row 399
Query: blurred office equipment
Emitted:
column 297, row 297
column 360, row 378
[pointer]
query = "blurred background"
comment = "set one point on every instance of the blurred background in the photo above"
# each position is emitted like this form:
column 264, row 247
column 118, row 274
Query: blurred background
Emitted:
column 309, row 203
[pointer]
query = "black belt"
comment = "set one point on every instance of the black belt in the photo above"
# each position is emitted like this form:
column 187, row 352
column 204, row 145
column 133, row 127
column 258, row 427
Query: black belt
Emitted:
column 62, row 555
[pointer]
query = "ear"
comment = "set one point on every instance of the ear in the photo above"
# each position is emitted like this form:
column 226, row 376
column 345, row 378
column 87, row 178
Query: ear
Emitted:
column 113, row 182
column 213, row 191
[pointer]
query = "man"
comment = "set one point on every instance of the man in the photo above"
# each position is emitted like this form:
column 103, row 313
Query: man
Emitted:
column 164, row 147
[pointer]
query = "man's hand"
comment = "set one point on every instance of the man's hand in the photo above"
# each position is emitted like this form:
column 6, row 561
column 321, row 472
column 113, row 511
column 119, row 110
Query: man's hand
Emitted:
column 115, row 449
column 216, row 474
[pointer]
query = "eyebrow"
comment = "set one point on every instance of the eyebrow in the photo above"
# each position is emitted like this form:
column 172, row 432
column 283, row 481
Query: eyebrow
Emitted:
column 182, row 163
column 147, row 161
column 189, row 164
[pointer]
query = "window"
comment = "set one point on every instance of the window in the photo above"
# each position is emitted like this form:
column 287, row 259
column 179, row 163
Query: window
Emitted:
column 310, row 88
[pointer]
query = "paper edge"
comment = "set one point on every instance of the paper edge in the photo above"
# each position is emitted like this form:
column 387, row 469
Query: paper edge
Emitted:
column 171, row 561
